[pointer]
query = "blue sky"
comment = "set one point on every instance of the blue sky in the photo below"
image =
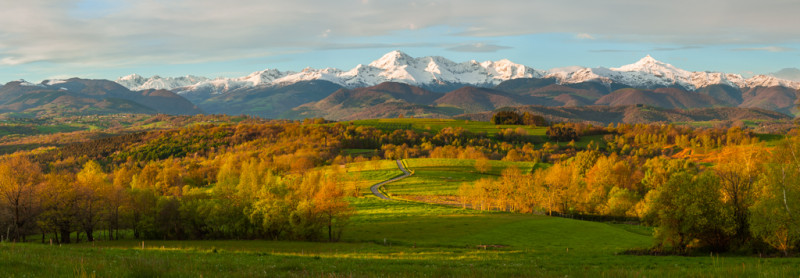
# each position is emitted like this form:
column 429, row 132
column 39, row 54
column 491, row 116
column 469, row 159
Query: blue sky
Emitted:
column 42, row 39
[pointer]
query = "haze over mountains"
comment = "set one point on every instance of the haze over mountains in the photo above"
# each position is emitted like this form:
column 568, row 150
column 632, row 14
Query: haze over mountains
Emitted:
column 398, row 84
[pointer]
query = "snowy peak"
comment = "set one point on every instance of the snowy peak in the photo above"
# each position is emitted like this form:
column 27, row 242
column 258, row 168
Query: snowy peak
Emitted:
column 392, row 59
column 394, row 66
column 770, row 81
column 135, row 82
column 433, row 71
column 650, row 65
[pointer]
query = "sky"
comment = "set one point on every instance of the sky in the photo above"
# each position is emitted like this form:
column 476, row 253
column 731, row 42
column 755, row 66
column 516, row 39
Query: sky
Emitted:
column 52, row 39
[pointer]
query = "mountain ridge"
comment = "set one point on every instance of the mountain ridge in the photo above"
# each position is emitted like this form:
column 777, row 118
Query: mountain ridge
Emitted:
column 440, row 74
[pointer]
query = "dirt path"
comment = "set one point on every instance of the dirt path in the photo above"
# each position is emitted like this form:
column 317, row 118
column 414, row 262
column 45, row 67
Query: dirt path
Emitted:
column 375, row 187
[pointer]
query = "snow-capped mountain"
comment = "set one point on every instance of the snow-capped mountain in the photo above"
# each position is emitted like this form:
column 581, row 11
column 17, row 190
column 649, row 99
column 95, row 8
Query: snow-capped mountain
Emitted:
column 137, row 82
column 397, row 66
column 651, row 73
column 394, row 66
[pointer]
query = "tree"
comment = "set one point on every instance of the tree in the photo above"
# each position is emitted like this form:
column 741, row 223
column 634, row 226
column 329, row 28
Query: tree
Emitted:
column 562, row 133
column 335, row 210
column 533, row 120
column 116, row 196
column 20, row 181
column 776, row 214
column 59, row 203
column 483, row 166
column 557, row 180
column 507, row 118
column 90, row 184
column 689, row 208
column 739, row 169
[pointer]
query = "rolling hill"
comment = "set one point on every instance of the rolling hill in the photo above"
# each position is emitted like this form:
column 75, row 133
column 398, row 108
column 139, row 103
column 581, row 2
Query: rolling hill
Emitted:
column 84, row 96
column 473, row 99
column 269, row 101
column 345, row 103
column 661, row 97
column 604, row 115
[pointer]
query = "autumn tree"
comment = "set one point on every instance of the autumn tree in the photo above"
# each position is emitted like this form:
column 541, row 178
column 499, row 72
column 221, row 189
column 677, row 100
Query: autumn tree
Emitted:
column 20, row 181
column 59, row 205
column 483, row 165
column 117, row 198
column 334, row 209
column 739, row 169
column 554, row 190
column 90, row 183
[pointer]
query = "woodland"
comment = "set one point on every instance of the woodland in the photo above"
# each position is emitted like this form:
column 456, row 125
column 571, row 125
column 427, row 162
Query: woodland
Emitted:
column 719, row 189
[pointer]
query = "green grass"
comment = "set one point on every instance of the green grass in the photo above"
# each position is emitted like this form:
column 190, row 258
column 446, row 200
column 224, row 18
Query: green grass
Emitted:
column 362, row 152
column 441, row 176
column 421, row 241
column 371, row 172
column 771, row 140
column 435, row 125
column 398, row 238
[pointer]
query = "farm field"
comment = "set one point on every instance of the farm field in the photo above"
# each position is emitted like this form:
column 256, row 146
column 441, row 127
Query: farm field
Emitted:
column 435, row 125
column 538, row 134
column 421, row 241
column 435, row 176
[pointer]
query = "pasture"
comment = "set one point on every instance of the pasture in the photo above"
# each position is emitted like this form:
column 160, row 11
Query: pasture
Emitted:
column 421, row 240
column 399, row 238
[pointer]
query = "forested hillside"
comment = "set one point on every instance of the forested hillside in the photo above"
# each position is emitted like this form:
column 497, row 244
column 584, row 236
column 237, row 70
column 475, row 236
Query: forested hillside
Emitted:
column 715, row 188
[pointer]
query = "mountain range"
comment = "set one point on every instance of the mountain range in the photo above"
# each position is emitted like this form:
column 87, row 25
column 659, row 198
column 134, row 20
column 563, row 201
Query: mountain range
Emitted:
column 441, row 75
column 398, row 84
column 83, row 96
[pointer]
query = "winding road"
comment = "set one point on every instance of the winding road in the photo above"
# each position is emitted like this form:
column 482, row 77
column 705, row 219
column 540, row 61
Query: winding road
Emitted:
column 375, row 187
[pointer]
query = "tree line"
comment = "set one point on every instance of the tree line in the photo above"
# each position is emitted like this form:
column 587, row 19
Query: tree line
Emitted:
column 747, row 197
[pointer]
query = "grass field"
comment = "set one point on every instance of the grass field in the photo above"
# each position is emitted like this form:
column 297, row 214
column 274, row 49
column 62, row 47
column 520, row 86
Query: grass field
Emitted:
column 371, row 172
column 399, row 238
column 421, row 241
column 435, row 125
column 444, row 176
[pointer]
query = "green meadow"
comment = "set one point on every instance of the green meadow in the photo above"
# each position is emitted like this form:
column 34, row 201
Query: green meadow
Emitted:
column 442, row 176
column 435, row 125
column 397, row 239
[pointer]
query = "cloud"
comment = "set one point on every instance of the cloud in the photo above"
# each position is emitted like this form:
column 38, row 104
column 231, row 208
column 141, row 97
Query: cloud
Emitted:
column 477, row 47
column 334, row 46
column 766, row 48
column 688, row 47
column 584, row 36
column 612, row 51
column 104, row 32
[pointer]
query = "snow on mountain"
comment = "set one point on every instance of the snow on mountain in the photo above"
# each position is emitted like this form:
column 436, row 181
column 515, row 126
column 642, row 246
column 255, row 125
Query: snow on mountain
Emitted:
column 53, row 82
column 394, row 66
column 137, row 82
column 397, row 66
column 221, row 85
column 22, row 82
column 770, row 81
column 651, row 73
